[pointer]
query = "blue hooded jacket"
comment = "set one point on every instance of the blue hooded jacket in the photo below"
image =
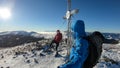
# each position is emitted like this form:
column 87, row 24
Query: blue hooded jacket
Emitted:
column 79, row 51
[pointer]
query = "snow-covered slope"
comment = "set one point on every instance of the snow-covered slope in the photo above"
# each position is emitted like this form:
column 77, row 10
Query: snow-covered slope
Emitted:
column 32, row 55
column 110, row 57
column 29, row 56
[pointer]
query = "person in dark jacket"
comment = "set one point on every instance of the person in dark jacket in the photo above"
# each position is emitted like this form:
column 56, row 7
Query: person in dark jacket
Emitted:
column 57, row 39
column 79, row 51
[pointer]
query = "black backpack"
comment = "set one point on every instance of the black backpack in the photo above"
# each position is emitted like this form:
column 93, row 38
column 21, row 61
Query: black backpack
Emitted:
column 95, row 41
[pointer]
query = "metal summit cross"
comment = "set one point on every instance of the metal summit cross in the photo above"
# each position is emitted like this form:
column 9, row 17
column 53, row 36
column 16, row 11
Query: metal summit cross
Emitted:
column 68, row 17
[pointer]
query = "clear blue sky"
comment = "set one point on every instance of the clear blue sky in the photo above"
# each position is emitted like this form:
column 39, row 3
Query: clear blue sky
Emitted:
column 46, row 15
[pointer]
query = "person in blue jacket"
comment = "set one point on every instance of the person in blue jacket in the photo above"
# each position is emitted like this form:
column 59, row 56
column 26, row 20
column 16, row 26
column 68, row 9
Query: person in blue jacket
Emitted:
column 79, row 51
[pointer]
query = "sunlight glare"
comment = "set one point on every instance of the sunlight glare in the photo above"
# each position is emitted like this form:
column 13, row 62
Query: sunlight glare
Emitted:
column 5, row 13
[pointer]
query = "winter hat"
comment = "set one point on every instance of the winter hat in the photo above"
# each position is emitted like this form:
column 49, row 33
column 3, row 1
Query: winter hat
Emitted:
column 58, row 30
column 79, row 29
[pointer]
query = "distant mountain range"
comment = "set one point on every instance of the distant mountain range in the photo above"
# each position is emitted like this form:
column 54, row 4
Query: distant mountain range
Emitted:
column 110, row 35
column 14, row 38
column 39, row 35
column 24, row 33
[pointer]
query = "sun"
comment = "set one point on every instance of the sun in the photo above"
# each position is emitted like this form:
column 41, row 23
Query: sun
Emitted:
column 5, row 13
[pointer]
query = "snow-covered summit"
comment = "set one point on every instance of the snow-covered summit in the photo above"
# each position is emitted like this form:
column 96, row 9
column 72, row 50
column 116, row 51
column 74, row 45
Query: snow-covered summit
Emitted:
column 32, row 55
